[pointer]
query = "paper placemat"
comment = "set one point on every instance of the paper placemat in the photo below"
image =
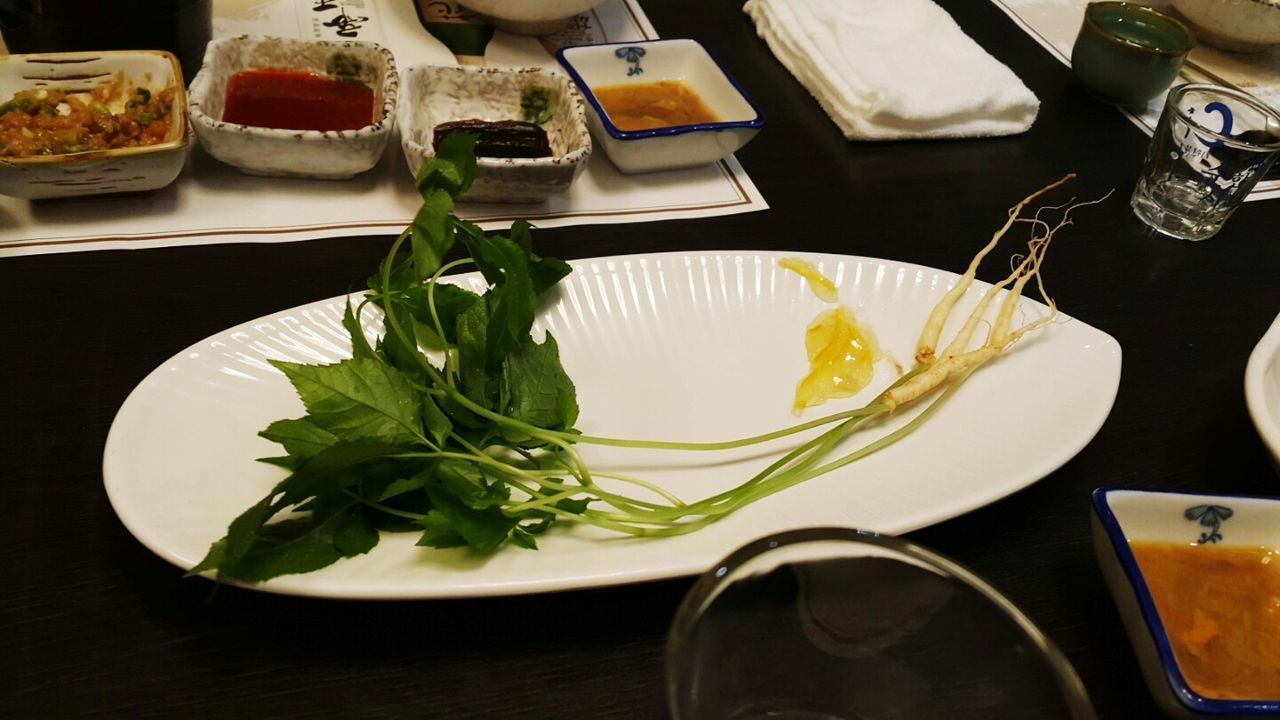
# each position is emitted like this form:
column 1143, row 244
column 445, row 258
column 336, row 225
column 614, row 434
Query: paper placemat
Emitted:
column 215, row 203
column 1055, row 24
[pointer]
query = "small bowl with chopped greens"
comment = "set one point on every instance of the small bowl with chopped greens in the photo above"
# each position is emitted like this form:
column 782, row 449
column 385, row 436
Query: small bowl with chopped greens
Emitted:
column 530, row 125
column 90, row 123
column 295, row 108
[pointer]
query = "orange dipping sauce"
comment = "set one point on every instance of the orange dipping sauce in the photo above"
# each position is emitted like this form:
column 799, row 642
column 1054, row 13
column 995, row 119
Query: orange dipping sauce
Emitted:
column 291, row 100
column 1221, row 609
column 653, row 105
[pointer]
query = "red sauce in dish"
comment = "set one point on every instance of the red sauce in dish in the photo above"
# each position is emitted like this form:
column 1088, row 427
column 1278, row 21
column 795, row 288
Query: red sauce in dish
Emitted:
column 292, row 100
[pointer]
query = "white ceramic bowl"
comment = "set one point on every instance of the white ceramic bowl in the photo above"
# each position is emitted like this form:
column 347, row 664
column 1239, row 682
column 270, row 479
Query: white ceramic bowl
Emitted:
column 1236, row 25
column 666, row 148
column 330, row 155
column 1124, row 516
column 1262, row 388
column 530, row 17
column 435, row 94
column 95, row 172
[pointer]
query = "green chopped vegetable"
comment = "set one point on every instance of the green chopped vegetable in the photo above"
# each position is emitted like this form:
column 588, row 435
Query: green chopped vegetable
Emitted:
column 345, row 67
column 21, row 104
column 477, row 449
column 536, row 106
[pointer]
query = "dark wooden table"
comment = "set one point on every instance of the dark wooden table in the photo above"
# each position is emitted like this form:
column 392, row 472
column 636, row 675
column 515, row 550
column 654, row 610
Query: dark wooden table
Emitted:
column 94, row 625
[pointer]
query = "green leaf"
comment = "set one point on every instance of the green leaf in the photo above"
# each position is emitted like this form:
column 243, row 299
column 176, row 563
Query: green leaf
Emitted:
column 302, row 438
column 431, row 234
column 285, row 462
column 212, row 560
column 327, row 472
column 494, row 255
column 359, row 343
column 358, row 398
column 451, row 301
column 575, row 506
column 511, row 310
column 523, row 539
column 472, row 335
column 439, row 533
column 546, row 519
column 306, row 544
column 547, row 272
column 437, row 422
column 465, row 481
column 536, row 388
column 522, row 235
column 401, row 486
column 452, row 169
column 484, row 529
column 403, row 355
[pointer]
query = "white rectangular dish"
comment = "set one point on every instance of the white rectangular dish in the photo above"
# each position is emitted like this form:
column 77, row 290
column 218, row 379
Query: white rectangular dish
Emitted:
column 96, row 172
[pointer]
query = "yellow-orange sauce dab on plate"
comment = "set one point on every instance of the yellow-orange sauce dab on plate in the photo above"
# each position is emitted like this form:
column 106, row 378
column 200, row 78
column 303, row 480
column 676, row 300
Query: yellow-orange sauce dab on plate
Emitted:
column 842, row 351
column 819, row 283
column 645, row 106
column 1220, row 607
column 842, row 356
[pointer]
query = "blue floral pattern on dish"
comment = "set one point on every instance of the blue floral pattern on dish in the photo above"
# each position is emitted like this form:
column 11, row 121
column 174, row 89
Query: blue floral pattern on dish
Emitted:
column 1209, row 516
column 632, row 55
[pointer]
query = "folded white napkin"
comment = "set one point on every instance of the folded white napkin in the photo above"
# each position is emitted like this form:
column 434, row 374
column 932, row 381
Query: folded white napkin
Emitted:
column 892, row 69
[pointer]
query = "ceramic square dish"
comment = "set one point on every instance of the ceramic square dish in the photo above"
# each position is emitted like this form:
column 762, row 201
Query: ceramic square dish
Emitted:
column 1121, row 517
column 664, row 148
column 95, row 172
column 332, row 155
column 435, row 94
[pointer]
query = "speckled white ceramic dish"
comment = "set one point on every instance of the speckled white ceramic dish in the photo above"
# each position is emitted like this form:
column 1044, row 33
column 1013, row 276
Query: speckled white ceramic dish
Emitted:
column 665, row 148
column 331, row 155
column 435, row 94
column 1124, row 516
column 1262, row 389
column 96, row 172
column 1237, row 25
column 530, row 18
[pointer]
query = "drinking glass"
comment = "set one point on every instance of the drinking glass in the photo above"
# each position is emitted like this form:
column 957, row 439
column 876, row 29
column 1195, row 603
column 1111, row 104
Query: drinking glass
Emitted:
column 838, row 624
column 1210, row 148
column 182, row 27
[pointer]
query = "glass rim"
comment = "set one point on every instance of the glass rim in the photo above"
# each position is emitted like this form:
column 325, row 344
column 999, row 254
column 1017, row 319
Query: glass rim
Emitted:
column 1176, row 94
column 709, row 584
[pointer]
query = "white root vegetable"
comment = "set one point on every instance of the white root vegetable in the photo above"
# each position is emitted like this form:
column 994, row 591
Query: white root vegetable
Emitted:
column 938, row 317
column 934, row 370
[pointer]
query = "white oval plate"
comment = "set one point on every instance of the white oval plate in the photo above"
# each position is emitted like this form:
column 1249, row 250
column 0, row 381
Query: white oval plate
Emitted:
column 679, row 346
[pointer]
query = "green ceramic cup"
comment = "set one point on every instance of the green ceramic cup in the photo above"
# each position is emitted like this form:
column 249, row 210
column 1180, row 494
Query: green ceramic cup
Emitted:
column 1127, row 54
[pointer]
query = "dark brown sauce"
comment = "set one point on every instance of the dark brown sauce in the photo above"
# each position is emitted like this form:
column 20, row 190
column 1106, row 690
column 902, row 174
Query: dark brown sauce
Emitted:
column 499, row 138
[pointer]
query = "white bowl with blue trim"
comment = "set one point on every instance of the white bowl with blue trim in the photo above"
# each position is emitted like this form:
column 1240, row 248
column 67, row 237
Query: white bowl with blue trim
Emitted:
column 652, row 61
column 1124, row 516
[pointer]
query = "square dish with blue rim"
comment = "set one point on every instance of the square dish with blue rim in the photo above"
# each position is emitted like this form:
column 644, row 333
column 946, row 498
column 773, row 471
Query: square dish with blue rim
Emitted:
column 1124, row 516
column 652, row 61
